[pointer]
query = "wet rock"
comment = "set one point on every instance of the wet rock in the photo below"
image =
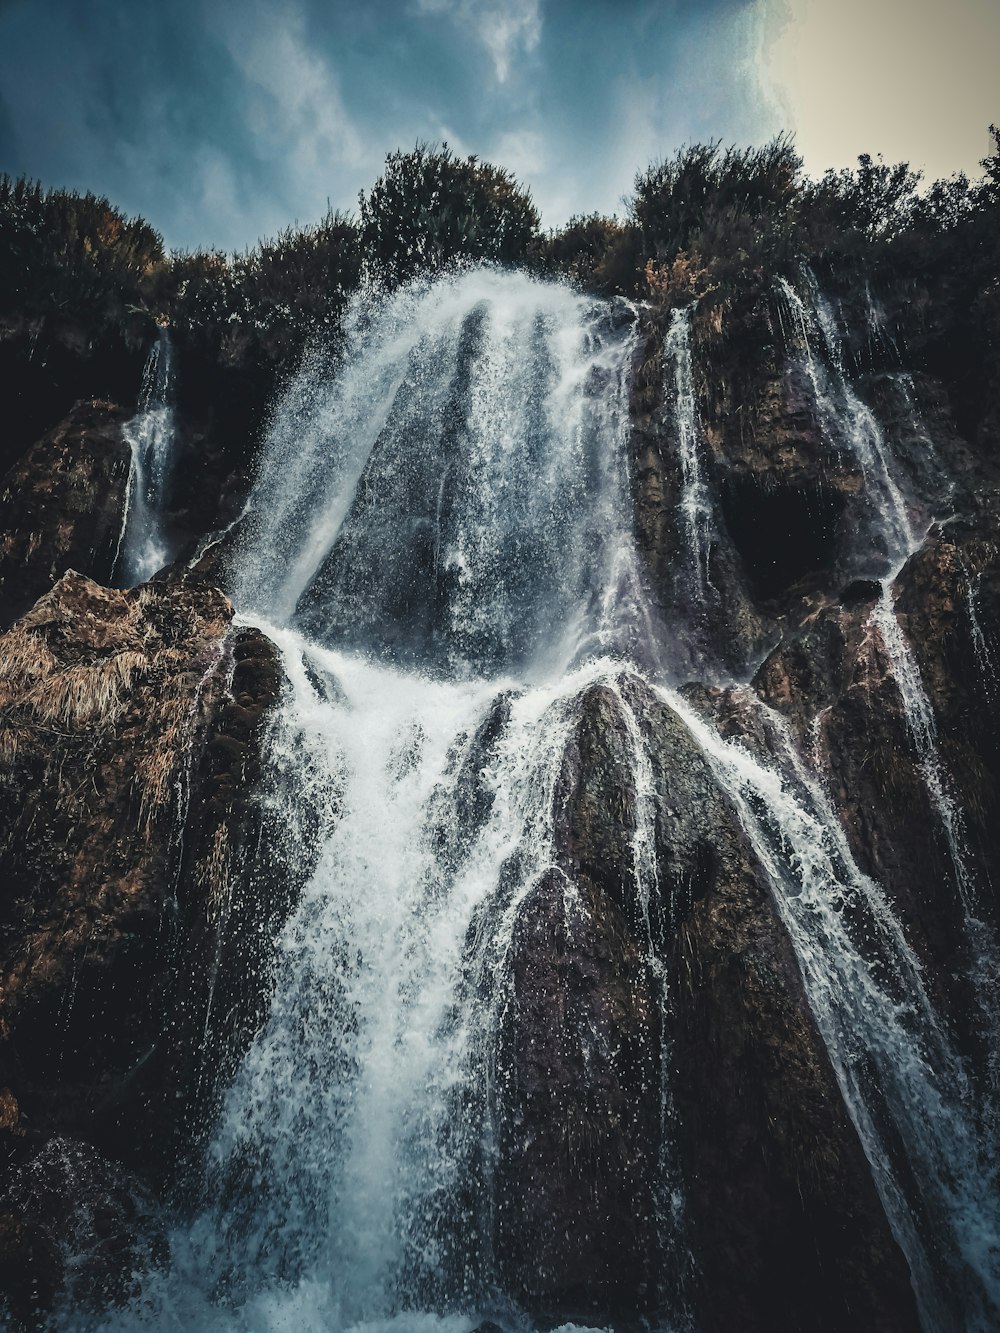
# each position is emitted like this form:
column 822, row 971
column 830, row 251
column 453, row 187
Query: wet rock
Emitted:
column 236, row 887
column 837, row 685
column 76, row 1226
column 949, row 604
column 608, row 981
column 779, row 1200
column 726, row 627
column 62, row 506
column 105, row 699
column 575, row 1213
column 131, row 727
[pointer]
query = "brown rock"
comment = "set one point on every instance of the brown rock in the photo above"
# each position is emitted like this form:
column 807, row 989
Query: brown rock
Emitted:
column 130, row 732
column 779, row 1208
column 62, row 506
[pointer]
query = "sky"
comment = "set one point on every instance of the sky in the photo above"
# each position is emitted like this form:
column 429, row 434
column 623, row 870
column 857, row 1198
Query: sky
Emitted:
column 221, row 121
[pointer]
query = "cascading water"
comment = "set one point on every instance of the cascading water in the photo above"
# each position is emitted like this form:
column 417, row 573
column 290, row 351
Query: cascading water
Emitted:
column 985, row 656
column 440, row 544
column 852, row 423
column 456, row 482
column 145, row 547
column 447, row 521
column 856, row 426
column 903, row 1086
column 695, row 506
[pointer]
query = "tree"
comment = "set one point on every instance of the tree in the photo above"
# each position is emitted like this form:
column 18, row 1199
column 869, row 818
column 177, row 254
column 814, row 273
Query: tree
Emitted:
column 430, row 209
column 704, row 194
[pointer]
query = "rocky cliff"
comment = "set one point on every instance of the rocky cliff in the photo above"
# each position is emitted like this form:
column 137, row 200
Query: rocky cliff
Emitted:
column 143, row 880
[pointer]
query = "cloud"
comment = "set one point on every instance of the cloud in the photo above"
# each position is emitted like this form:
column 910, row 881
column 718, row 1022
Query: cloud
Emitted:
column 224, row 120
column 292, row 96
column 507, row 28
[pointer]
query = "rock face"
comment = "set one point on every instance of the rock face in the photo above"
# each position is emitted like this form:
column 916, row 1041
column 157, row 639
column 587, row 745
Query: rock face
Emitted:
column 53, row 361
column 779, row 1205
column 837, row 683
column 62, row 506
column 670, row 1130
column 131, row 727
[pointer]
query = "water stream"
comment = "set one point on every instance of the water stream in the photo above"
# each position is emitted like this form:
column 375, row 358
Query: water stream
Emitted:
column 145, row 546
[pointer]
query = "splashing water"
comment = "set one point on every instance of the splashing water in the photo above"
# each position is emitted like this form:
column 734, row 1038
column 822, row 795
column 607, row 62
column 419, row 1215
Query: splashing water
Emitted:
column 145, row 547
column 461, row 478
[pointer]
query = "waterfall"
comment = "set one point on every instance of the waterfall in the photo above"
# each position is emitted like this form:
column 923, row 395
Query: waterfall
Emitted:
column 457, row 482
column 901, row 1082
column 857, row 425
column 145, row 547
column 985, row 657
column 440, row 544
column 853, row 423
column 696, row 508
column 922, row 728
column 850, row 423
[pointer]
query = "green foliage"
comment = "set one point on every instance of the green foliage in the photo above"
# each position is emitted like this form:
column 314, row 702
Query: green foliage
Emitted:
column 267, row 302
column 77, row 256
column 70, row 253
column 874, row 203
column 710, row 223
column 430, row 209
column 700, row 197
column 601, row 254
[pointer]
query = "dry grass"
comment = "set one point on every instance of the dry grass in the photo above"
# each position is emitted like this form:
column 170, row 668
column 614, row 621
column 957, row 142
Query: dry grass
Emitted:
column 24, row 658
column 124, row 653
column 87, row 694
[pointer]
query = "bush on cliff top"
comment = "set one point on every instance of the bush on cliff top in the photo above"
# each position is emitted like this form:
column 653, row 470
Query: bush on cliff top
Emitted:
column 263, row 305
column 68, row 253
column 430, row 208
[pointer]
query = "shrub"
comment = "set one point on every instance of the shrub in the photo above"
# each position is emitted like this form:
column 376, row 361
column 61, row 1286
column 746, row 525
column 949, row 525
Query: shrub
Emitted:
column 430, row 208
column 601, row 254
column 71, row 253
column 698, row 198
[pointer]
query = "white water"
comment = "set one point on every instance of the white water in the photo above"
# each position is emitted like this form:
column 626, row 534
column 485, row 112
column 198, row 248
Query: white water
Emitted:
column 145, row 548
column 856, row 425
column 922, row 728
column 467, row 462
column 850, row 423
column 696, row 507
column 467, row 466
column 989, row 676
column 901, row 538
column 463, row 472
column 901, row 1082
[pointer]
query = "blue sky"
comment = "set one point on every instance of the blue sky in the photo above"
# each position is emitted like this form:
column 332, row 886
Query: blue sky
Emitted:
column 223, row 120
